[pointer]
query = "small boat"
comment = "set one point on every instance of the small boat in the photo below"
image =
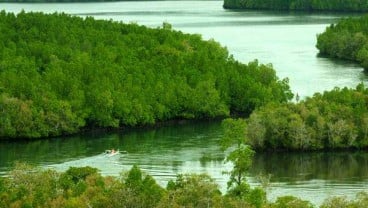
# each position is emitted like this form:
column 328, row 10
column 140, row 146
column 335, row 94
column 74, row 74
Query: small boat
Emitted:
column 111, row 153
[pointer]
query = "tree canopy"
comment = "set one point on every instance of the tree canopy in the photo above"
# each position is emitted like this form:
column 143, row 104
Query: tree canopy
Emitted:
column 304, row 5
column 85, row 187
column 346, row 40
column 60, row 73
column 336, row 119
column 51, row 1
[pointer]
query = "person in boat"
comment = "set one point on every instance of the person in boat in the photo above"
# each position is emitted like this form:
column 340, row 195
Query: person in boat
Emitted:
column 112, row 151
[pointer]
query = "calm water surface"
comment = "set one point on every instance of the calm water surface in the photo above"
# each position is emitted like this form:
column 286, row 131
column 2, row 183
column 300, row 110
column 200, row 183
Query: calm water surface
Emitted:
column 193, row 148
column 287, row 40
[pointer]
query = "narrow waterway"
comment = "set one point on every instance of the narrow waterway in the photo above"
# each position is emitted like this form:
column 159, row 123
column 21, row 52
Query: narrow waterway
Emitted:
column 287, row 40
column 194, row 148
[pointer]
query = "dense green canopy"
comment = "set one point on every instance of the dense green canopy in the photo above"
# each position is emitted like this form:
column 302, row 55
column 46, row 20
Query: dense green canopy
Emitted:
column 348, row 39
column 50, row 1
column 336, row 119
column 60, row 73
column 305, row 5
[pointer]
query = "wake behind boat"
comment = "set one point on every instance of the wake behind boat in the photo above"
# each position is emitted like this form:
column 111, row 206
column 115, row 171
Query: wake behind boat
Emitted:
column 113, row 152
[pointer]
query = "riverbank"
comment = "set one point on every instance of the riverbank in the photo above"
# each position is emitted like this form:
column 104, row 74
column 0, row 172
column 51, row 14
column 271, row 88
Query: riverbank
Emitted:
column 194, row 148
column 298, row 5
column 335, row 119
column 346, row 40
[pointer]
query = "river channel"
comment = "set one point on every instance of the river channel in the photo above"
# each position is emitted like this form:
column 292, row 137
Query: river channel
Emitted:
column 287, row 40
column 193, row 147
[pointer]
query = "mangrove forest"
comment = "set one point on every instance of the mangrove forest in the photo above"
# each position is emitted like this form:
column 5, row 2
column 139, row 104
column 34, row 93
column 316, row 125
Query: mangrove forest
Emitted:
column 336, row 119
column 299, row 5
column 61, row 73
column 346, row 40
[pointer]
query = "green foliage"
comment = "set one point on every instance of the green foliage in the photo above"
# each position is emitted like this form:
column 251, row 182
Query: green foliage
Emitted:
column 30, row 187
column 234, row 133
column 346, row 40
column 361, row 200
column 305, row 5
column 333, row 120
column 240, row 157
column 257, row 197
column 73, row 180
column 60, row 73
column 143, row 191
column 41, row 1
column 291, row 202
column 27, row 186
column 192, row 191
column 336, row 202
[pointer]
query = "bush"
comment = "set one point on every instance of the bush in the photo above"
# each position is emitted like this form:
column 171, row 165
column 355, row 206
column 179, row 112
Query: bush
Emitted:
column 291, row 202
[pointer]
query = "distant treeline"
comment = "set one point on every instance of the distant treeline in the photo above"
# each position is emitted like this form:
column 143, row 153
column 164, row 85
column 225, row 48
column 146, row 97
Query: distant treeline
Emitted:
column 336, row 119
column 60, row 73
column 51, row 1
column 304, row 5
column 348, row 39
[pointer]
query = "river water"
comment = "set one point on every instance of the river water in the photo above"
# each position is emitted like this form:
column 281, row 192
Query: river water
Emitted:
column 287, row 40
column 194, row 148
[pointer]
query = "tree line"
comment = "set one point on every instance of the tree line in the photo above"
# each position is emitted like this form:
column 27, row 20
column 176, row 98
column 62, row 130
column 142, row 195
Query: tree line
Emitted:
column 61, row 73
column 52, row 1
column 336, row 119
column 346, row 40
column 304, row 5
column 85, row 187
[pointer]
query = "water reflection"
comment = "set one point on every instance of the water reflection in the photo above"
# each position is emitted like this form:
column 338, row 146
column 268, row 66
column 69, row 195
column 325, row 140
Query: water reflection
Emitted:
column 313, row 176
column 194, row 148
column 332, row 166
column 168, row 146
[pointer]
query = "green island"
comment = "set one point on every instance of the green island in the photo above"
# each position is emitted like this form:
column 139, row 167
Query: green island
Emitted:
column 60, row 74
column 299, row 5
column 346, row 40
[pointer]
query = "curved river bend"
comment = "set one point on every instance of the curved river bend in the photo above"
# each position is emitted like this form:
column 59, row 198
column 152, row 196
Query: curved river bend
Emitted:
column 287, row 40
column 194, row 148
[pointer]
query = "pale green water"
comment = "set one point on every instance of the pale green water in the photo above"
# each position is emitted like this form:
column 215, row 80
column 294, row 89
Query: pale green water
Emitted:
column 285, row 40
